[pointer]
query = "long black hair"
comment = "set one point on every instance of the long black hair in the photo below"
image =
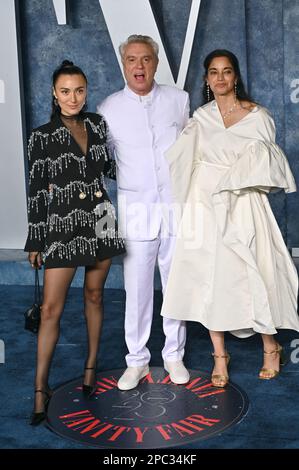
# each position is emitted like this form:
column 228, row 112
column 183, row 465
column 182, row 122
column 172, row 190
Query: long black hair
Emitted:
column 242, row 94
column 65, row 68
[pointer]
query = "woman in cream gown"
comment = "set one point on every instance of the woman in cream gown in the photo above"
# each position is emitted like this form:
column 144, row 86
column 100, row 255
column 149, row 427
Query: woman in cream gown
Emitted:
column 231, row 270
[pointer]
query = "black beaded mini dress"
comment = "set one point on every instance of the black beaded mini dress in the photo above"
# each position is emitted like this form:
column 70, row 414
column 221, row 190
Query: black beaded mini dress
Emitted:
column 71, row 219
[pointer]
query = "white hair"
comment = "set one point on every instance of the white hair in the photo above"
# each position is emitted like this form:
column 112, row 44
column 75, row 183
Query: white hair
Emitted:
column 141, row 39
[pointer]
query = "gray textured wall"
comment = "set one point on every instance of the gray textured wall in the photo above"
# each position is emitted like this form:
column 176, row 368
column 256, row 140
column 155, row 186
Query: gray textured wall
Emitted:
column 264, row 34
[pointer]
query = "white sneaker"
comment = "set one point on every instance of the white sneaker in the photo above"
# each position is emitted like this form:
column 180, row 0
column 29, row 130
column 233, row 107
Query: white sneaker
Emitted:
column 177, row 372
column 131, row 377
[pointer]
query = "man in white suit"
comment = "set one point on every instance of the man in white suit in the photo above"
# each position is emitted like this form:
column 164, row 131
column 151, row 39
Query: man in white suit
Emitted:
column 144, row 120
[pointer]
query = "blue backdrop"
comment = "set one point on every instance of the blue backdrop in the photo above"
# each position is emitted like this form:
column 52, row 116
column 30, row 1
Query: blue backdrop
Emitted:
column 264, row 34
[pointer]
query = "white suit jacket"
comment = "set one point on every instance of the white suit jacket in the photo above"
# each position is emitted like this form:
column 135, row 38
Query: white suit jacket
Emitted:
column 141, row 129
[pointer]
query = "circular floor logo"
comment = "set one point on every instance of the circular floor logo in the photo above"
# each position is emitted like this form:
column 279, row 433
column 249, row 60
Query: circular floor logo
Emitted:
column 156, row 414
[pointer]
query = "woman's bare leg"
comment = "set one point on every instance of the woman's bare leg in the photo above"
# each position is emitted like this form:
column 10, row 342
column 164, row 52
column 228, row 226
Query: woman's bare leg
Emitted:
column 220, row 367
column 56, row 285
column 271, row 361
column 95, row 278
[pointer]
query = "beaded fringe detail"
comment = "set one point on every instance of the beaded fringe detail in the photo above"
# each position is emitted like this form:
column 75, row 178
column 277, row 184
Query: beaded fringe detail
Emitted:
column 101, row 220
column 59, row 164
column 72, row 219
column 71, row 248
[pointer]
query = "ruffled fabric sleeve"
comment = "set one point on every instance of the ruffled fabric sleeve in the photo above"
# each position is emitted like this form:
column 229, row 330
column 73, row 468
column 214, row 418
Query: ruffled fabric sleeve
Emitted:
column 38, row 193
column 261, row 166
column 181, row 157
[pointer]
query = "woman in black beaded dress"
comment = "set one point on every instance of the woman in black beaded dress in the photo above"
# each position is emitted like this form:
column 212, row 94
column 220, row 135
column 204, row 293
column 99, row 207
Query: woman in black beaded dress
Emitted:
column 71, row 220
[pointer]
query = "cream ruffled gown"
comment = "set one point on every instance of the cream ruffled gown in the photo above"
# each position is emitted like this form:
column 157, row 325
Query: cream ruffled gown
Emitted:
column 231, row 270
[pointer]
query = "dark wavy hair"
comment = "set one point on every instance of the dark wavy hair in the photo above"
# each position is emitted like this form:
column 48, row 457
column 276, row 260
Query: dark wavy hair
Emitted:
column 65, row 68
column 242, row 94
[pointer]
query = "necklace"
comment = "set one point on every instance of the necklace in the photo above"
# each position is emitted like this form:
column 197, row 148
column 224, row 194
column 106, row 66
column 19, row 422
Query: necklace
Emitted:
column 71, row 122
column 72, row 118
column 225, row 115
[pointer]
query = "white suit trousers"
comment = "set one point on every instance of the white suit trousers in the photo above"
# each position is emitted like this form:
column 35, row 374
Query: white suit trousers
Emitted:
column 139, row 269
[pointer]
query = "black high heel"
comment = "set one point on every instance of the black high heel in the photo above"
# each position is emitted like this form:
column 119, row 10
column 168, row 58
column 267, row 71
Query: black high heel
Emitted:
column 37, row 418
column 89, row 390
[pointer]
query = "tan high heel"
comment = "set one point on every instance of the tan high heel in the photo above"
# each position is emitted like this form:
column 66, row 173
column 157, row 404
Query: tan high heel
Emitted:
column 271, row 373
column 219, row 380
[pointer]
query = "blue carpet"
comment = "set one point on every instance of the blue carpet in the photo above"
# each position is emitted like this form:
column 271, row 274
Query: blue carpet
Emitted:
column 272, row 420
